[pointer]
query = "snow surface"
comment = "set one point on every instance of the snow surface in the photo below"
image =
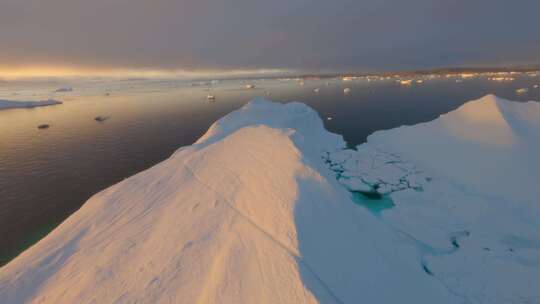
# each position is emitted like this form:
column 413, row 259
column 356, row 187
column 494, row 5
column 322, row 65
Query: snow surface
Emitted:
column 253, row 213
column 12, row 104
column 466, row 191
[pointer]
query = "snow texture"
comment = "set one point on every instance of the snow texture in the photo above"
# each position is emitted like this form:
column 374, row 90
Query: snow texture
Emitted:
column 474, row 217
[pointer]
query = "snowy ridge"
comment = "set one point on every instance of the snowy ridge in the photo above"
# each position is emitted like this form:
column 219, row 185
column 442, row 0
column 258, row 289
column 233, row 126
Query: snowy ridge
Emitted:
column 12, row 104
column 253, row 213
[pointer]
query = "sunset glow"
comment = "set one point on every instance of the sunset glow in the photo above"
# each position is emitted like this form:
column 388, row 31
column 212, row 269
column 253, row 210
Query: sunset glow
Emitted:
column 65, row 71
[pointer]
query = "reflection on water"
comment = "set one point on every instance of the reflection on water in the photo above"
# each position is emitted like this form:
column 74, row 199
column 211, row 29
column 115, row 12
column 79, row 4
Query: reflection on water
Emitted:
column 45, row 175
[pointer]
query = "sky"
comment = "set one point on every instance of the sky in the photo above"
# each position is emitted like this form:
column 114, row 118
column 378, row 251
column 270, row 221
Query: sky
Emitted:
column 250, row 35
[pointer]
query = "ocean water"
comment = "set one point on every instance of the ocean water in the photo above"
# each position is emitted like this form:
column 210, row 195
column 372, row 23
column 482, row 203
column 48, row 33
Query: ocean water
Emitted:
column 45, row 175
column 373, row 202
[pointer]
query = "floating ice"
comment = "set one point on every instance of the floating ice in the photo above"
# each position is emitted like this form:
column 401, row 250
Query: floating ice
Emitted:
column 64, row 89
column 12, row 104
column 101, row 118
column 522, row 91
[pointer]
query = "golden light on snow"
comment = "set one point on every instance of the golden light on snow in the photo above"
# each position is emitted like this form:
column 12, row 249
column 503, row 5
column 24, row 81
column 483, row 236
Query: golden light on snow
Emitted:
column 480, row 121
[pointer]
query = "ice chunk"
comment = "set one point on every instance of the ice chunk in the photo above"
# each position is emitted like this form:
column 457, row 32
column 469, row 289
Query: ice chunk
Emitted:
column 356, row 184
column 12, row 104
column 64, row 89
column 522, row 91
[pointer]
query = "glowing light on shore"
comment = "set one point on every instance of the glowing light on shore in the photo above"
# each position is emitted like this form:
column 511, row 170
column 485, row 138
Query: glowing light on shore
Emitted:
column 501, row 79
column 467, row 75
column 406, row 82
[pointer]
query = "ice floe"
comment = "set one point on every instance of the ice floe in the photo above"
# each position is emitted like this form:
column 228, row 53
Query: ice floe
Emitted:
column 64, row 90
column 13, row 104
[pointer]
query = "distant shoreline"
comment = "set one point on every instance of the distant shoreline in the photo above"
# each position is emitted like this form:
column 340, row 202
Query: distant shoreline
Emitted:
column 440, row 71
column 402, row 73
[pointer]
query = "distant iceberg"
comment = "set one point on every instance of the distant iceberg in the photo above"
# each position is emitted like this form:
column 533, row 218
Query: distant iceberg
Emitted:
column 64, row 90
column 522, row 91
column 260, row 210
column 12, row 104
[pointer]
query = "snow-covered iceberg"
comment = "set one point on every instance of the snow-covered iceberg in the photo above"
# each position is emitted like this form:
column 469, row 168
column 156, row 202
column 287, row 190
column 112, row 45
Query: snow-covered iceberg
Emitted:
column 13, row 104
column 253, row 213
column 466, row 189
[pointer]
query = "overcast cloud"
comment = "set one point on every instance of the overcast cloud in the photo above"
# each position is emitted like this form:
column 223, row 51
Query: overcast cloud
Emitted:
column 251, row 34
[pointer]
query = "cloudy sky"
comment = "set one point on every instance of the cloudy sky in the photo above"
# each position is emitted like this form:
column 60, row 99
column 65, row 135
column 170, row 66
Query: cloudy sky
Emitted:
column 311, row 35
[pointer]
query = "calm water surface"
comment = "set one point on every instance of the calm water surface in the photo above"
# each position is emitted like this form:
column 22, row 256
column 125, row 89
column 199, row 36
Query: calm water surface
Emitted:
column 45, row 175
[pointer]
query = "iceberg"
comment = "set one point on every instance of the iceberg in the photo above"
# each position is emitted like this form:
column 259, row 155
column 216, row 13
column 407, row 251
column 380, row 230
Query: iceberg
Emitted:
column 64, row 90
column 465, row 190
column 260, row 210
column 522, row 91
column 13, row 104
column 101, row 118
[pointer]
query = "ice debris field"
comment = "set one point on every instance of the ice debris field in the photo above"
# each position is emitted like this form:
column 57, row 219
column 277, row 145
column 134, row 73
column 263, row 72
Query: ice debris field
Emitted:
column 269, row 207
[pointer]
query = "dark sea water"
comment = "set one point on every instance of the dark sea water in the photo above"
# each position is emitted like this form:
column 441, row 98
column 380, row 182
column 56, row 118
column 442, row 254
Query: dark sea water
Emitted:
column 45, row 175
